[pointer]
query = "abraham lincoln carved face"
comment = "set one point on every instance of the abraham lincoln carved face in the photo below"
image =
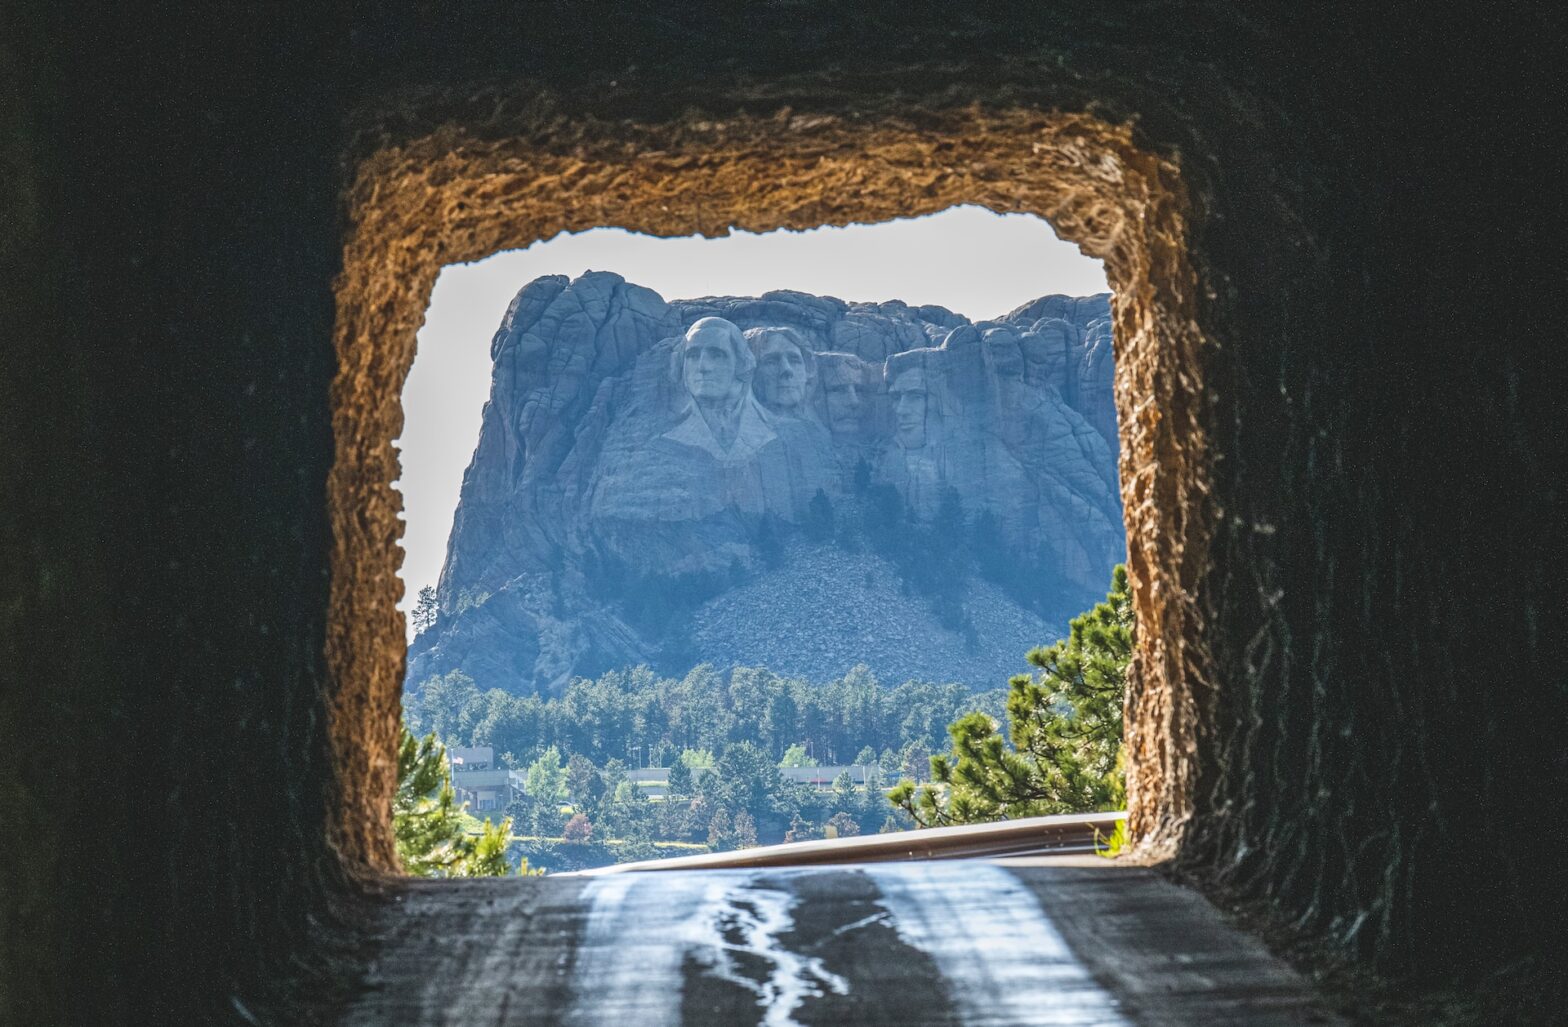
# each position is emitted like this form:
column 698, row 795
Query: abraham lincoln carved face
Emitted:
column 911, row 398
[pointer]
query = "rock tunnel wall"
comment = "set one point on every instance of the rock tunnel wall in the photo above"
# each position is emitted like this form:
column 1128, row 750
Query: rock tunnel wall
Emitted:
column 442, row 198
column 1339, row 509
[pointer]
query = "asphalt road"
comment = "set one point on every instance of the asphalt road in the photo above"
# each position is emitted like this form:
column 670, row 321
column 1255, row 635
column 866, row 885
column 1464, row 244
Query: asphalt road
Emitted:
column 934, row 942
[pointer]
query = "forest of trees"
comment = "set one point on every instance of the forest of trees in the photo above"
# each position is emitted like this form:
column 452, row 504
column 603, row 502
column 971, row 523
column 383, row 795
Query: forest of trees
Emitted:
column 643, row 719
column 1050, row 743
column 574, row 814
column 724, row 736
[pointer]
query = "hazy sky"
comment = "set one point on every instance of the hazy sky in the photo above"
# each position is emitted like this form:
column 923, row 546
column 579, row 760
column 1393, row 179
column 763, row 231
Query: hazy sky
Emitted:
column 969, row 260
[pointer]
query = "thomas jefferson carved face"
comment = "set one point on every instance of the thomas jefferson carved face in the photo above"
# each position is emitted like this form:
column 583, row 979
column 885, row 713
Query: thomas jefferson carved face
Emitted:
column 713, row 366
column 911, row 401
column 783, row 368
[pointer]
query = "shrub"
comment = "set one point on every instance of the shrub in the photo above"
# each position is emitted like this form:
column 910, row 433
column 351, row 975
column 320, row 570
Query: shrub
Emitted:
column 578, row 830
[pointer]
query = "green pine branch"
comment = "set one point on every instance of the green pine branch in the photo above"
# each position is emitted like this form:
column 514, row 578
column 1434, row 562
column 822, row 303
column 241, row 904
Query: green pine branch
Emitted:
column 1062, row 749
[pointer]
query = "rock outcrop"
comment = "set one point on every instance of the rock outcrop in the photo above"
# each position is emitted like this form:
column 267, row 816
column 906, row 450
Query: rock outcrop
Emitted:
column 648, row 473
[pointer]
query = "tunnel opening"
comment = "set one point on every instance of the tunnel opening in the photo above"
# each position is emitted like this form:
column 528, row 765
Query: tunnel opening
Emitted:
column 442, row 200
column 926, row 492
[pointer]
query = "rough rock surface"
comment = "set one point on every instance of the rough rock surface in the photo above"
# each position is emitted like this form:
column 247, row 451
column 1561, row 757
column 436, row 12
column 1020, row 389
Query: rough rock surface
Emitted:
column 627, row 503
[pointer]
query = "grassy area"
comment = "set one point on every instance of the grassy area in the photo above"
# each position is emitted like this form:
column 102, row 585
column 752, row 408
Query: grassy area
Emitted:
column 476, row 825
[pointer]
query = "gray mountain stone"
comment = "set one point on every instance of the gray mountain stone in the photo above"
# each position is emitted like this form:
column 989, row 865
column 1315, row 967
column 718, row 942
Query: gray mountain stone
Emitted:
column 645, row 467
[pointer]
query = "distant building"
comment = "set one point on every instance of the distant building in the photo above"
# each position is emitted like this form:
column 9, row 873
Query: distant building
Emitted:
column 477, row 779
column 653, row 780
column 822, row 778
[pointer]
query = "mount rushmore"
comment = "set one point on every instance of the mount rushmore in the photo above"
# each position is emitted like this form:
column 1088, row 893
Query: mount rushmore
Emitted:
column 787, row 480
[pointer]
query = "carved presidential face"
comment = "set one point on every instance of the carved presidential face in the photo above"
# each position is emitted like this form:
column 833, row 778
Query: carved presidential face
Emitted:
column 846, row 400
column 780, row 382
column 710, row 362
column 911, row 401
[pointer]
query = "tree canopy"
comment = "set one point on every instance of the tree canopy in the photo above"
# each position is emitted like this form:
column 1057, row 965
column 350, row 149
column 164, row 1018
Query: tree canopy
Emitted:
column 546, row 778
column 705, row 711
column 426, row 610
column 1063, row 744
column 427, row 821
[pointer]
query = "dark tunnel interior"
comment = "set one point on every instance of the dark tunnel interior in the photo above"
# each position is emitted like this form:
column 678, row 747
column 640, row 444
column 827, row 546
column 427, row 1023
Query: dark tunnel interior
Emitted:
column 1339, row 391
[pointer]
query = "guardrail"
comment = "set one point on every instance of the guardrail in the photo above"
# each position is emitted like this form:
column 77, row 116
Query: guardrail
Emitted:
column 1072, row 834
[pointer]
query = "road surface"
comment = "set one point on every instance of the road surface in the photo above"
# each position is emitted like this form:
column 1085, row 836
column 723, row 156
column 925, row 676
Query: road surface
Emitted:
column 935, row 942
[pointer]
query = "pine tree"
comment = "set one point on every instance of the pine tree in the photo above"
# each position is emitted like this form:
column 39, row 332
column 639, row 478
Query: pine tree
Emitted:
column 996, row 563
column 1065, row 726
column 841, row 825
column 680, row 779
column 862, row 476
column 488, row 857
column 720, row 835
column 948, row 523
column 800, row 829
column 746, row 778
column 883, row 518
column 449, row 705
column 613, row 774
column 745, row 831
column 427, row 821
column 425, row 610
column 584, row 786
column 698, row 814
column 819, row 517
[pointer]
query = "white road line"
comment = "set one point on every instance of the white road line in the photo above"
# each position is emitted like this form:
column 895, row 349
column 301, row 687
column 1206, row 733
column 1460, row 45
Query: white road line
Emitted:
column 642, row 926
column 1003, row 961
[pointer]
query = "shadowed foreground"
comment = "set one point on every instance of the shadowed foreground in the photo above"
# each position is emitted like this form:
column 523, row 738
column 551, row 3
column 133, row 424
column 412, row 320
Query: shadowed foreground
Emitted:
column 1335, row 251
column 941, row 942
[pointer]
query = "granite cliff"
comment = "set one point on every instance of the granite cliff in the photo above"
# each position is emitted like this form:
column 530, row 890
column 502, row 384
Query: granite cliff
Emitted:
column 788, row 480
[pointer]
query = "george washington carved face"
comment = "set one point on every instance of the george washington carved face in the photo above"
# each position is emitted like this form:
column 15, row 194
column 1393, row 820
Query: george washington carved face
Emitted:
column 713, row 361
